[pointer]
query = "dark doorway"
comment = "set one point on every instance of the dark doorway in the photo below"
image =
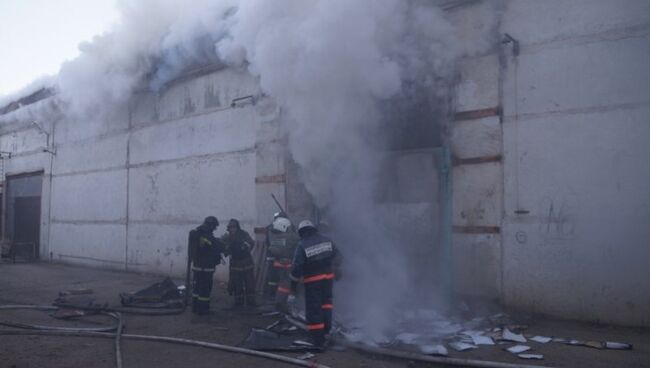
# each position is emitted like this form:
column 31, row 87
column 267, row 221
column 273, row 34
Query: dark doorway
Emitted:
column 23, row 216
column 27, row 219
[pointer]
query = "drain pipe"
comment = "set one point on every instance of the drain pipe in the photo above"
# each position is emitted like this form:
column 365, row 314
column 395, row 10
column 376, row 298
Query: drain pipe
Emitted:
column 445, row 177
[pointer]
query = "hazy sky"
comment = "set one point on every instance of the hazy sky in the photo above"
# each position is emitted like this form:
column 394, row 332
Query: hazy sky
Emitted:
column 36, row 36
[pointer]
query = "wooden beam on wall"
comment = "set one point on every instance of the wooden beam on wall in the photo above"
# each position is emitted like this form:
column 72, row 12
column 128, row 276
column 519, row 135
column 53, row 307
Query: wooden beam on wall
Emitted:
column 477, row 114
column 476, row 160
column 280, row 178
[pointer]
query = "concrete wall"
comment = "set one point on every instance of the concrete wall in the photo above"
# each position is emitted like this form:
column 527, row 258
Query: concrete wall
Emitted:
column 574, row 209
column 127, row 188
column 576, row 127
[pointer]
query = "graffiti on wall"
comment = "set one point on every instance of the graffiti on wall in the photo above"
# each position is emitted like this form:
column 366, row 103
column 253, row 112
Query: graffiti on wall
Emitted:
column 557, row 218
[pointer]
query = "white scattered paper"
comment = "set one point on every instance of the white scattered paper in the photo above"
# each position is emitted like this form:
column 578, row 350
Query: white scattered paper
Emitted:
column 302, row 343
column 541, row 339
column 461, row 346
column 510, row 336
column 305, row 356
column 531, row 356
column 617, row 345
column 434, row 349
column 482, row 340
column 471, row 333
column 406, row 337
column 518, row 349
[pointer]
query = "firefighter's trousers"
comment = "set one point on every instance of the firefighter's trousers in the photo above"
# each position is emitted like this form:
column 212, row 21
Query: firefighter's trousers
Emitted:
column 202, row 287
column 282, row 268
column 318, row 309
column 242, row 281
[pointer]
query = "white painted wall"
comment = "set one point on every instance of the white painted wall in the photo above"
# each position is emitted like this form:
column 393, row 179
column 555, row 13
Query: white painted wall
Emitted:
column 127, row 188
column 574, row 133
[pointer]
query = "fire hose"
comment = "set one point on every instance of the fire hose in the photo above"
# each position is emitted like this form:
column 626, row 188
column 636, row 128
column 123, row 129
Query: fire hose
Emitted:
column 40, row 328
column 232, row 349
column 85, row 332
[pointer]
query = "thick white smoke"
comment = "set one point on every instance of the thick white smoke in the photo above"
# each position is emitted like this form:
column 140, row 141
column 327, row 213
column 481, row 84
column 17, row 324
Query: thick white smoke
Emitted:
column 330, row 65
column 333, row 66
column 154, row 41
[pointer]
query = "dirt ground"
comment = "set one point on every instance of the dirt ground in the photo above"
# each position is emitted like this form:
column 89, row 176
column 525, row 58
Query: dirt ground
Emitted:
column 39, row 283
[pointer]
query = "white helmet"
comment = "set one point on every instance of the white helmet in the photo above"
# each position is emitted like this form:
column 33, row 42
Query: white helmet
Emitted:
column 305, row 224
column 281, row 224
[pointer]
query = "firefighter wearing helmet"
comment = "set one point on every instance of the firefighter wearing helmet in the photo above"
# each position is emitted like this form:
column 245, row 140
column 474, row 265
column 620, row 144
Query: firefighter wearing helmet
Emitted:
column 204, row 254
column 281, row 241
column 315, row 262
column 239, row 245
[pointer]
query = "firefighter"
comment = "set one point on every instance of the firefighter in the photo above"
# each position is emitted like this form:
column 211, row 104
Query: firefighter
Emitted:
column 239, row 245
column 205, row 253
column 315, row 262
column 272, row 277
column 282, row 241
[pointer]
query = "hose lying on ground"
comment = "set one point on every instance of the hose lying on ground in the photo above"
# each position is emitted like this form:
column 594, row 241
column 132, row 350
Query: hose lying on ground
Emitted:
column 127, row 310
column 232, row 349
column 118, row 336
column 434, row 359
column 115, row 315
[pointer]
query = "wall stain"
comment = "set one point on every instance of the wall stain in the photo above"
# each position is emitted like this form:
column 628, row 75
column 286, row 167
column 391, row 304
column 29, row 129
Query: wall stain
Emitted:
column 188, row 106
column 212, row 97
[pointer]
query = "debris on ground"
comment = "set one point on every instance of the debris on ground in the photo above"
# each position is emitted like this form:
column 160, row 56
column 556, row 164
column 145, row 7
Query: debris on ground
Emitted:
column 531, row 356
column 617, row 345
column 516, row 349
column 68, row 313
column 164, row 294
column 430, row 333
column 541, row 339
column 437, row 349
column 511, row 336
column 461, row 346
column 76, row 292
column 306, row 356
column 265, row 340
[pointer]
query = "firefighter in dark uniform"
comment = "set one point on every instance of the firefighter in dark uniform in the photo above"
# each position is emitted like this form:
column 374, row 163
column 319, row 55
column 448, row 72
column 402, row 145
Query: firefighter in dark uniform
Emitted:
column 205, row 254
column 315, row 263
column 282, row 241
column 242, row 278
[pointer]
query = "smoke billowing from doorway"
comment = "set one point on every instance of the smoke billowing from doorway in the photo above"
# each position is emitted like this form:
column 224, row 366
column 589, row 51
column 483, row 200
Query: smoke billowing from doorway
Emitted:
column 333, row 66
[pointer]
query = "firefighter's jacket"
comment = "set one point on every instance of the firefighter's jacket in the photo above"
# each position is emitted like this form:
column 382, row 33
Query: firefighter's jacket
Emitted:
column 238, row 245
column 282, row 245
column 316, row 259
column 204, row 249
